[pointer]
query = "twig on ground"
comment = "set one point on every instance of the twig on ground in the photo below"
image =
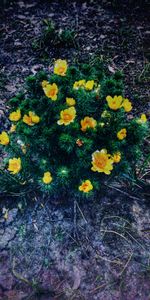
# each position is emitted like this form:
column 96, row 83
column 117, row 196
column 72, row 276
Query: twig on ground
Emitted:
column 126, row 264
column 115, row 232
column 125, row 193
column 75, row 218
column 18, row 276
column 81, row 212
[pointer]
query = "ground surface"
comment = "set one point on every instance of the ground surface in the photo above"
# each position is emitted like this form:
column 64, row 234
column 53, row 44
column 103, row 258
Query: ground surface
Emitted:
column 101, row 252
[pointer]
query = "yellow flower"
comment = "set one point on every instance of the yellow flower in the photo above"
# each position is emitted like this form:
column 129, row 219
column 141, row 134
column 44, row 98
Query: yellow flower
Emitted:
column 12, row 128
column 102, row 162
column 47, row 178
column 88, row 122
column 67, row 116
column 78, row 84
column 4, row 138
column 44, row 83
column 60, row 67
column 51, row 91
column 15, row 115
column 122, row 134
column 89, row 85
column 32, row 119
column 127, row 105
column 14, row 165
column 114, row 102
column 70, row 101
column 86, row 186
column 142, row 119
column 116, row 157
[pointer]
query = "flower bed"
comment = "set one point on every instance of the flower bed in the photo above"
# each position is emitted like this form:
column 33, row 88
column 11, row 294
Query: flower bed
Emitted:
column 71, row 131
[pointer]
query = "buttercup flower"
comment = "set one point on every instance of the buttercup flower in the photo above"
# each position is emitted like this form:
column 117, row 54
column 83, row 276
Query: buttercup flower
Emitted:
column 122, row 134
column 88, row 122
column 142, row 119
column 60, row 67
column 14, row 165
column 67, row 116
column 32, row 119
column 12, row 128
column 4, row 138
column 114, row 102
column 51, row 91
column 102, row 162
column 44, row 83
column 15, row 116
column 47, row 178
column 116, row 157
column 70, row 101
column 86, row 186
column 127, row 105
column 89, row 85
column 79, row 84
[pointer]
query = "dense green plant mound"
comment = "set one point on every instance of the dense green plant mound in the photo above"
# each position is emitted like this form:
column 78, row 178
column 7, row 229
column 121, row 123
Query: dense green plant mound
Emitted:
column 72, row 131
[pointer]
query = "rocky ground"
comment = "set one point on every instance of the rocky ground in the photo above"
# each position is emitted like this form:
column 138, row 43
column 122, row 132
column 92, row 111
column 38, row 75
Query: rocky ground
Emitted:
column 91, row 251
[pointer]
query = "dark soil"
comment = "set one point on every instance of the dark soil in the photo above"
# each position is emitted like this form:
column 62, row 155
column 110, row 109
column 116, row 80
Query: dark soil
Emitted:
column 96, row 250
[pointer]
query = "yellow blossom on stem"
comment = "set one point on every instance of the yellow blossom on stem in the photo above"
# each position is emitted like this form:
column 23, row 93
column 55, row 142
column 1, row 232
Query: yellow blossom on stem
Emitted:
column 127, row 105
column 79, row 84
column 60, row 67
column 88, row 122
column 116, row 157
column 47, row 178
column 86, row 186
column 51, row 91
column 89, row 85
column 31, row 119
column 14, row 165
column 15, row 115
column 142, row 119
column 67, row 116
column 114, row 102
column 122, row 134
column 102, row 162
column 70, row 101
column 4, row 138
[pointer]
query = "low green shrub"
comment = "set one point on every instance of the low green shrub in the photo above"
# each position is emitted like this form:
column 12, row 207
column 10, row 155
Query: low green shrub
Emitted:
column 71, row 132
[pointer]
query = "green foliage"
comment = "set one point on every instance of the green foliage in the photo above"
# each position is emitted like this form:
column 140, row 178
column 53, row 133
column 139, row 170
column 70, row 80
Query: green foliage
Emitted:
column 52, row 36
column 65, row 151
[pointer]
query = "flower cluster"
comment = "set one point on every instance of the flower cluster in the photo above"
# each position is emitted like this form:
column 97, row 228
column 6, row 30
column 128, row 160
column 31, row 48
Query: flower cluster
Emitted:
column 88, row 85
column 71, row 132
column 117, row 102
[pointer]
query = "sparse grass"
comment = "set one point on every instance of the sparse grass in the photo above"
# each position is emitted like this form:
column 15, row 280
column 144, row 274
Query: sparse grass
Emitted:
column 52, row 36
column 144, row 76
